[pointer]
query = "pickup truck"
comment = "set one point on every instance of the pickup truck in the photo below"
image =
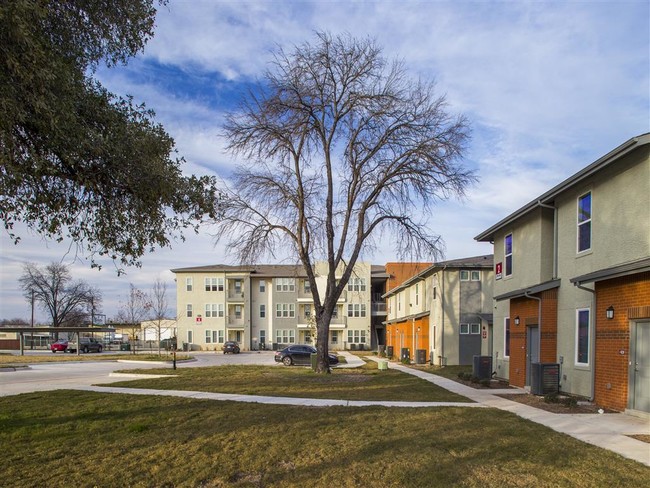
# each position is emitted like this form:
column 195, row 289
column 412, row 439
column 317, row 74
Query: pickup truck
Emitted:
column 88, row 344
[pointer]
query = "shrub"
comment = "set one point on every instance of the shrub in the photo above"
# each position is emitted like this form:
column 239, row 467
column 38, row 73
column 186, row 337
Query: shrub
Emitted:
column 461, row 375
column 486, row 382
column 570, row 402
column 551, row 398
column 475, row 379
column 406, row 361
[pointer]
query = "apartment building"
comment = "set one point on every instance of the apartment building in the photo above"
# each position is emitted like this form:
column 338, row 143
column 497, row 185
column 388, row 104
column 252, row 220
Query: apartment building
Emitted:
column 443, row 311
column 271, row 306
column 572, row 282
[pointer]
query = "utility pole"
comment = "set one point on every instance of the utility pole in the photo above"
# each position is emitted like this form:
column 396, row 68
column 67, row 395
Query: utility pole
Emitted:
column 32, row 344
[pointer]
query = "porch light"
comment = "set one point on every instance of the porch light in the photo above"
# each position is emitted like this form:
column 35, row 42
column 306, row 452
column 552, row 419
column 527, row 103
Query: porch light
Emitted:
column 517, row 320
column 609, row 313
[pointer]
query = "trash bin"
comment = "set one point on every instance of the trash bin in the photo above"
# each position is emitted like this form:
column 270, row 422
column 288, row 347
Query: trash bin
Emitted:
column 186, row 346
column 125, row 347
column 390, row 351
column 420, row 356
column 382, row 365
column 314, row 361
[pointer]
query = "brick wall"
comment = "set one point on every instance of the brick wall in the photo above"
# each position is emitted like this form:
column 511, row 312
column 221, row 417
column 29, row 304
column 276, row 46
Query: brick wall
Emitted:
column 613, row 336
column 403, row 335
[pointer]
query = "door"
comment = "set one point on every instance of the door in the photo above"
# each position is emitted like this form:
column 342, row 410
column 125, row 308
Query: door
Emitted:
column 639, row 382
column 532, row 350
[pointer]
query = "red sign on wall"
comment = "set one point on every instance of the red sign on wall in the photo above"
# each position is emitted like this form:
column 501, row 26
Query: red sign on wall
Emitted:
column 498, row 271
column 199, row 319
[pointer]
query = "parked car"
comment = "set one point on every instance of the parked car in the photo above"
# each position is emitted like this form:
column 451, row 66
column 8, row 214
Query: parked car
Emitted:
column 230, row 346
column 300, row 354
column 168, row 344
column 87, row 344
column 60, row 345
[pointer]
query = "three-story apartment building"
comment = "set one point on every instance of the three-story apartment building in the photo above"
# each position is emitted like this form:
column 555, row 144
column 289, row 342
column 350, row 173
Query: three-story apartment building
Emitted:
column 270, row 306
column 444, row 311
column 572, row 282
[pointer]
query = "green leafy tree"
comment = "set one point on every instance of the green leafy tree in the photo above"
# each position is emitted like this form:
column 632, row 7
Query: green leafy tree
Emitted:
column 342, row 148
column 77, row 161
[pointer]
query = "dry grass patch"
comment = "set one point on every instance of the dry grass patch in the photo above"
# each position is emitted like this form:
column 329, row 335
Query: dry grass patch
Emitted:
column 8, row 360
column 64, row 438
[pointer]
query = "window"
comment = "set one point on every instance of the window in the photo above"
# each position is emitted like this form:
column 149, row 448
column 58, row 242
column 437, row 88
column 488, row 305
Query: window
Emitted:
column 285, row 310
column 582, row 337
column 262, row 286
column 238, row 285
column 262, row 311
column 262, row 337
column 220, row 310
column 285, row 336
column 211, row 309
column 356, row 336
column 417, row 294
column 335, row 313
column 464, row 275
column 307, row 311
column 188, row 309
column 208, row 336
column 508, row 254
column 220, row 336
column 464, row 328
column 506, row 337
column 357, row 284
column 238, row 311
column 335, row 337
column 190, row 336
column 306, row 286
column 476, row 275
column 285, row 284
column 188, row 284
column 356, row 309
column 214, row 284
column 214, row 336
column 435, row 292
column 584, row 222
column 475, row 328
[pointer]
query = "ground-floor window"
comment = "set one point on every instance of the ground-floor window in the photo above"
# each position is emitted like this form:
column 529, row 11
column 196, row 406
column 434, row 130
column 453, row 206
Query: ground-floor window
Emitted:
column 356, row 336
column 335, row 337
column 506, row 337
column 220, row 336
column 190, row 336
column 208, row 336
column 285, row 336
column 262, row 336
column 582, row 337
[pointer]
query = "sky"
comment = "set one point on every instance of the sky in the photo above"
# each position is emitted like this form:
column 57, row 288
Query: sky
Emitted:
column 548, row 87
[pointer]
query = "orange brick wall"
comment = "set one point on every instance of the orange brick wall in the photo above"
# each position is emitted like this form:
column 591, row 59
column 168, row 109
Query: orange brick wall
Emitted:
column 613, row 336
column 400, row 272
column 401, row 335
column 527, row 309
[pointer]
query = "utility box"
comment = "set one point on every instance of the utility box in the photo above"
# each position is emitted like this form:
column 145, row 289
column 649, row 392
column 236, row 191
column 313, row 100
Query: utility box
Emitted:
column 390, row 351
column 420, row 356
column 406, row 354
column 544, row 378
column 482, row 367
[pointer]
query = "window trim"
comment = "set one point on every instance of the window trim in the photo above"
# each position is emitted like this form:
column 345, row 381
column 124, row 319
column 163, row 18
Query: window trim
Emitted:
column 262, row 310
column 506, row 255
column 466, row 272
column 189, row 284
column 466, row 329
column 586, row 222
column 189, row 310
column 475, row 272
column 577, row 337
column 472, row 326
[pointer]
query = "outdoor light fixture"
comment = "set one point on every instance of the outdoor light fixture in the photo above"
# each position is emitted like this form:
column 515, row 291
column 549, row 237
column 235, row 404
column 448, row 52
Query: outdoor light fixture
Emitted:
column 517, row 320
column 609, row 313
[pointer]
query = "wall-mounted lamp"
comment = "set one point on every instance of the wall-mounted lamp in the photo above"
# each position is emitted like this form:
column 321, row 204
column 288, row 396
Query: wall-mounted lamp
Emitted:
column 609, row 313
column 517, row 320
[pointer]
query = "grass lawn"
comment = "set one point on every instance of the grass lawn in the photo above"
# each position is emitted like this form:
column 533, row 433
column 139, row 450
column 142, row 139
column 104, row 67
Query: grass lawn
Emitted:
column 12, row 360
column 365, row 383
column 84, row 439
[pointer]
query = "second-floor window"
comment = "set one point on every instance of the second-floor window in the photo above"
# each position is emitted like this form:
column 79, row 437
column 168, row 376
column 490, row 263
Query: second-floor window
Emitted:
column 188, row 284
column 356, row 309
column 238, row 285
column 214, row 284
column 285, row 284
column 262, row 286
column 584, row 222
column 357, row 284
column 189, row 309
column 262, row 311
column 238, row 311
column 307, row 311
column 285, row 310
column 508, row 248
column 214, row 309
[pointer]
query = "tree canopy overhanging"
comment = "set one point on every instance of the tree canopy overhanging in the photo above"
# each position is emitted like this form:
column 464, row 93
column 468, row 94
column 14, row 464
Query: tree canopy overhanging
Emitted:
column 341, row 147
column 79, row 162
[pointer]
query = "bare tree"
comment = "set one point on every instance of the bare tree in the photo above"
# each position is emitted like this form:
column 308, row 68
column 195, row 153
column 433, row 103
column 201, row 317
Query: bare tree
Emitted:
column 159, row 309
column 66, row 301
column 134, row 311
column 342, row 147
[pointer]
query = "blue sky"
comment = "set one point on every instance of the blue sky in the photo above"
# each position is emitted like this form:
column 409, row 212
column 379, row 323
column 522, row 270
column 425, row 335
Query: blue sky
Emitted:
column 548, row 87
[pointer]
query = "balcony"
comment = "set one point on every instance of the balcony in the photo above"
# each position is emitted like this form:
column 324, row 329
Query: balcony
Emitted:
column 336, row 323
column 234, row 322
column 379, row 309
column 234, row 296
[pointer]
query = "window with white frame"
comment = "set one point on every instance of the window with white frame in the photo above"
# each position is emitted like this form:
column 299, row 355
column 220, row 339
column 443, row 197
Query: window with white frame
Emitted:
column 582, row 336
column 285, row 284
column 262, row 286
column 220, row 336
column 464, row 328
column 214, row 336
column 238, row 286
column 211, row 309
column 335, row 312
column 307, row 310
column 188, row 284
column 506, row 337
column 190, row 336
column 335, row 337
column 220, row 310
column 208, row 337
column 262, row 336
column 262, row 311
column 584, row 222
column 188, row 310
column 214, row 284
column 356, row 309
column 475, row 275
column 417, row 294
column 306, row 286
column 357, row 284
column 475, row 328
column 285, row 310
column 508, row 246
column 285, row 336
column 464, row 275
column 238, row 309
column 356, row 336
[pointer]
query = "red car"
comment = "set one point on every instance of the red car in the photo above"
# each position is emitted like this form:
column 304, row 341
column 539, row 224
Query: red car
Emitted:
column 59, row 345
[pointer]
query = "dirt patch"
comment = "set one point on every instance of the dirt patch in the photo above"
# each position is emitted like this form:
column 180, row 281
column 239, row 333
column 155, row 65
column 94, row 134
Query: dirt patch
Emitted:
column 640, row 437
column 538, row 402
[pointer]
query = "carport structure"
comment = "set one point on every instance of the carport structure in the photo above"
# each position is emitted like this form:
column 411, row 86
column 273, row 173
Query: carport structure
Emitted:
column 21, row 331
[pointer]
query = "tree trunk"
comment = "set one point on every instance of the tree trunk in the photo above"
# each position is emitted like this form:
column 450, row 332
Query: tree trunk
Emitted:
column 322, row 346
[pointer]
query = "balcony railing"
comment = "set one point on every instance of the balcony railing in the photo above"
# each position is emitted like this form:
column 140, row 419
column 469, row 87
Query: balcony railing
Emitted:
column 234, row 296
column 234, row 322
column 379, row 308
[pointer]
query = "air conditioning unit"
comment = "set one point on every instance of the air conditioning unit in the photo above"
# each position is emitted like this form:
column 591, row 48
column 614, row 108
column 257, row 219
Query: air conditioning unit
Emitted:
column 544, row 378
column 482, row 367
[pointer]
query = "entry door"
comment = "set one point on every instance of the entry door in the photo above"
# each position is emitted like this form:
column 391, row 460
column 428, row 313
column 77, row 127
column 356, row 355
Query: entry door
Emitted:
column 639, row 396
column 532, row 350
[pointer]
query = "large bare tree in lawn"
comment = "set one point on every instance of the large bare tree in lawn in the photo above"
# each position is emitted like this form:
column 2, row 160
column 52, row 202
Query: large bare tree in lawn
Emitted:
column 341, row 148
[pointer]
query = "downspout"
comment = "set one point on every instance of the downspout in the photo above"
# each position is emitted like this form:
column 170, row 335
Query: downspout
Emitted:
column 592, row 340
column 555, row 236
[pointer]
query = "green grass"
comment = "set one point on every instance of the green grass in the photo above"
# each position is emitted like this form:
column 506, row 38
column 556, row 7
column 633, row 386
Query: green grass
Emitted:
column 450, row 372
column 85, row 439
column 365, row 383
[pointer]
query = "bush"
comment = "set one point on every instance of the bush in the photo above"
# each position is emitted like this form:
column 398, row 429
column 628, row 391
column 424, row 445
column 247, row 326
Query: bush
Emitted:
column 570, row 402
column 551, row 398
column 486, row 382
column 406, row 361
column 475, row 379
column 461, row 375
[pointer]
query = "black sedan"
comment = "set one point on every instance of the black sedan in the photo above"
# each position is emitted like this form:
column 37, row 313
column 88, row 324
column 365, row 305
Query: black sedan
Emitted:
column 230, row 346
column 300, row 354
